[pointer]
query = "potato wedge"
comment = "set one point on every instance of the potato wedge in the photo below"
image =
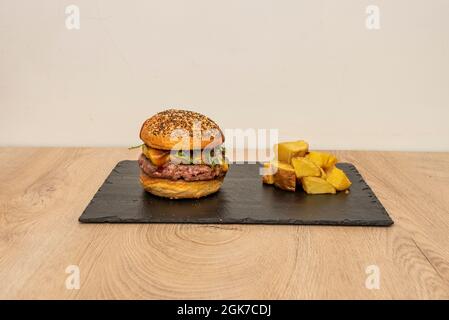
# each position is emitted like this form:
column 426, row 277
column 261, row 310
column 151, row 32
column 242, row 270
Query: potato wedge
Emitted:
column 305, row 168
column 315, row 185
column 284, row 176
column 285, row 151
column 338, row 179
column 268, row 178
column 322, row 159
column 331, row 162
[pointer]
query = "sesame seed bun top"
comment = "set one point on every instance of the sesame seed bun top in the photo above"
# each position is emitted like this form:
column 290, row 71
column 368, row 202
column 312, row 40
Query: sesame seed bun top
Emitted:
column 166, row 129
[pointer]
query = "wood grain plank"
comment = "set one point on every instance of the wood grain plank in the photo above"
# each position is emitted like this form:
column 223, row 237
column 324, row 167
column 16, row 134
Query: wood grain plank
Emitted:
column 44, row 190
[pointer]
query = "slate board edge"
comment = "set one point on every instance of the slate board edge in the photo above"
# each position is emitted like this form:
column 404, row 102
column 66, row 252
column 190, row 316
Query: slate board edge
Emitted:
column 371, row 193
column 353, row 223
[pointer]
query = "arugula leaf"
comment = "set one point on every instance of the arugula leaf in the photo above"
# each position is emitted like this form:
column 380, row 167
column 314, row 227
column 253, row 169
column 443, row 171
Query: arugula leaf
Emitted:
column 135, row 147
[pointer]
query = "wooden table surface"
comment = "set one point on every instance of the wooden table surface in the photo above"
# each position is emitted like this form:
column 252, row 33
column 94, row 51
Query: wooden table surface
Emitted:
column 43, row 191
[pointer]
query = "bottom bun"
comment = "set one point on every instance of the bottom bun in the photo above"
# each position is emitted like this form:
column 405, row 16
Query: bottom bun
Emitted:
column 179, row 189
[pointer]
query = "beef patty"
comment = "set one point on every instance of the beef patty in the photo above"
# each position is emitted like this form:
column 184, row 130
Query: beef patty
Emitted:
column 173, row 171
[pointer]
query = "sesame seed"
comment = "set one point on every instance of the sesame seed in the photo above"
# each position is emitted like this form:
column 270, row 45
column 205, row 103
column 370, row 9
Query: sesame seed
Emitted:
column 165, row 122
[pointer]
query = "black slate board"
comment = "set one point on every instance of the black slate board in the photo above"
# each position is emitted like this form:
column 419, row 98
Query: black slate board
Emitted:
column 242, row 199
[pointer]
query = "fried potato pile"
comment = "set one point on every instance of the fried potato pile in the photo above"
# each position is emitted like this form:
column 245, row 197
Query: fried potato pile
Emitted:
column 314, row 171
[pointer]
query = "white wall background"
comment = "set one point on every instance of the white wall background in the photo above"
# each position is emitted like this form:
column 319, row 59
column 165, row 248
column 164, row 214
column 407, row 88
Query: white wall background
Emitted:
column 307, row 67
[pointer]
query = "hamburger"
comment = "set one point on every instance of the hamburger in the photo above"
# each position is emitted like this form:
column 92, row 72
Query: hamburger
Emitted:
column 182, row 155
